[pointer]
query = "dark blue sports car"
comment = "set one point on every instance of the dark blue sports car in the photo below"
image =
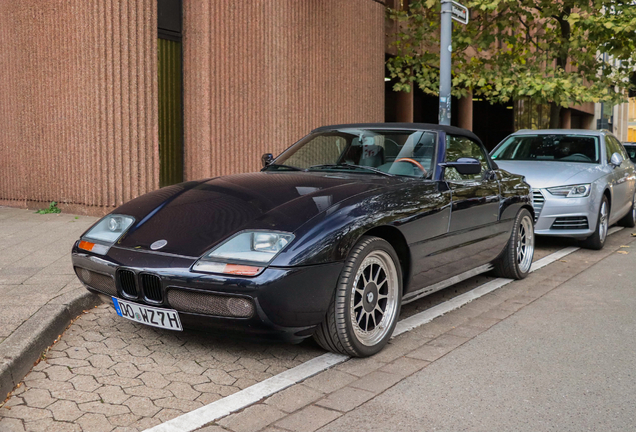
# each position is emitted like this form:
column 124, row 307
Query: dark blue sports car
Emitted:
column 328, row 240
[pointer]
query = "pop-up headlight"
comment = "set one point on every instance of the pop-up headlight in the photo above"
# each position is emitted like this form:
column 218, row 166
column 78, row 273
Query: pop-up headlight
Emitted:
column 105, row 233
column 245, row 254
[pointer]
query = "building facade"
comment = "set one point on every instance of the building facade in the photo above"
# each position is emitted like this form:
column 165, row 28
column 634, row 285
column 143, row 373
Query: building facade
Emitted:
column 104, row 100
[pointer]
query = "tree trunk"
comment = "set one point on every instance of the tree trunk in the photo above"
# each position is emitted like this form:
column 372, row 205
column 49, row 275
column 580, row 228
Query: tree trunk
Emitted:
column 555, row 116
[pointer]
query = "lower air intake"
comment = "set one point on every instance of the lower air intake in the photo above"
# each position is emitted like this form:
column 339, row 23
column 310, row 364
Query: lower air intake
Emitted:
column 97, row 281
column 210, row 304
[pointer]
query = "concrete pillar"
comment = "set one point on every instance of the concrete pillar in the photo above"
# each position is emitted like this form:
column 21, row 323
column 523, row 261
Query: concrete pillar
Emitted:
column 404, row 107
column 465, row 112
column 566, row 119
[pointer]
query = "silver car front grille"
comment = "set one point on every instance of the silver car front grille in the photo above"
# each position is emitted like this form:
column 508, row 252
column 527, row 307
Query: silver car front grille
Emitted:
column 537, row 202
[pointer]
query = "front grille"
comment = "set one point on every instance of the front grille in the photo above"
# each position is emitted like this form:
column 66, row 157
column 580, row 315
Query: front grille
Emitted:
column 151, row 285
column 537, row 202
column 97, row 281
column 127, row 282
column 210, row 304
column 570, row 223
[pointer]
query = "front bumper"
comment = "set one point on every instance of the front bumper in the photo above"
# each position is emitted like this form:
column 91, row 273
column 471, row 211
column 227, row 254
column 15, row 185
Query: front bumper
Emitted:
column 564, row 217
column 288, row 302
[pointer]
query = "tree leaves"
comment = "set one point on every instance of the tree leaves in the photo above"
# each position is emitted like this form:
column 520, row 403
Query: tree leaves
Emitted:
column 546, row 50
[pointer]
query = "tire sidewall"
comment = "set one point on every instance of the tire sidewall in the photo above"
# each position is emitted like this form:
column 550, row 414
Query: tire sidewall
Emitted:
column 515, row 242
column 346, row 283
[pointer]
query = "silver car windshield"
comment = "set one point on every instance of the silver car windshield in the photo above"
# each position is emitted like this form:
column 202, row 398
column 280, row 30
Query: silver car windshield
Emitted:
column 363, row 151
column 557, row 148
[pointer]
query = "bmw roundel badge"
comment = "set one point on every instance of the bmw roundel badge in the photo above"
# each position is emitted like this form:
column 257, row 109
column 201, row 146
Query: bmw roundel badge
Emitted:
column 158, row 244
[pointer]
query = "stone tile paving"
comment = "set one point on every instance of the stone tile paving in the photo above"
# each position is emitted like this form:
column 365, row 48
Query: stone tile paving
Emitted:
column 108, row 374
column 35, row 262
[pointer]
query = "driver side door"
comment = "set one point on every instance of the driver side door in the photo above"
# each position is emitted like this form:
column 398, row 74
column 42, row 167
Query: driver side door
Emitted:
column 474, row 228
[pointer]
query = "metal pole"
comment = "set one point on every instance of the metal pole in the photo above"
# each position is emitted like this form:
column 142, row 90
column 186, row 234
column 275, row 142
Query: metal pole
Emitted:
column 446, row 48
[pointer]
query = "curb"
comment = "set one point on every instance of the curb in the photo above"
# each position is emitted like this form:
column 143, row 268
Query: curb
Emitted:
column 25, row 345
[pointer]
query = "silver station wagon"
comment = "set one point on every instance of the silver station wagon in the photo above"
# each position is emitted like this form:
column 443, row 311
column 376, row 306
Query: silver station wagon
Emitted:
column 582, row 181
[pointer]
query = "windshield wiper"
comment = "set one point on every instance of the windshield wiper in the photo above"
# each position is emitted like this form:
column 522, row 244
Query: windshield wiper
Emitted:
column 351, row 167
column 289, row 167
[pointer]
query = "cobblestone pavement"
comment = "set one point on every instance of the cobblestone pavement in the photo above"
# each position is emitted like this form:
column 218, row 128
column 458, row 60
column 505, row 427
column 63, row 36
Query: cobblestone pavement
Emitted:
column 106, row 373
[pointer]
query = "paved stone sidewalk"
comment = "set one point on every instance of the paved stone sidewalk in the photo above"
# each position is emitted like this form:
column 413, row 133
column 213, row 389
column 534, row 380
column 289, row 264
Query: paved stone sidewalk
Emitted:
column 39, row 292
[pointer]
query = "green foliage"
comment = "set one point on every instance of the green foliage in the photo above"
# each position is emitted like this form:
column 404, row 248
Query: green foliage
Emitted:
column 546, row 50
column 52, row 209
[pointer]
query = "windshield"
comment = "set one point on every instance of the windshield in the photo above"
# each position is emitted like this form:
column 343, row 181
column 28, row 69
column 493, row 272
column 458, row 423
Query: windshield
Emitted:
column 393, row 152
column 631, row 151
column 556, row 148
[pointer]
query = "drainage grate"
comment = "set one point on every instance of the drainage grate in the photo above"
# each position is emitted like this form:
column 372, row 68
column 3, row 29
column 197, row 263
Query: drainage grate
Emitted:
column 151, row 286
column 127, row 282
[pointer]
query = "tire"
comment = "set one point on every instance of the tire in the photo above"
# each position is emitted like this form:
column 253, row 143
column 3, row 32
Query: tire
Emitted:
column 350, row 326
column 597, row 240
column 629, row 220
column 516, row 259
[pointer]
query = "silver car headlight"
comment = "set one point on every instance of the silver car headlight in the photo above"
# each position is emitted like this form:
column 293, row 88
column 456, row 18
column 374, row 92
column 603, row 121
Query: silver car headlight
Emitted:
column 245, row 254
column 105, row 233
column 572, row 191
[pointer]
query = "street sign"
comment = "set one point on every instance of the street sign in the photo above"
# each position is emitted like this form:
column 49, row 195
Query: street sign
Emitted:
column 459, row 12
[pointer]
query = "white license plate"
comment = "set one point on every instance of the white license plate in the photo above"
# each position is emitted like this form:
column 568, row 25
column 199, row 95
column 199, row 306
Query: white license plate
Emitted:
column 152, row 316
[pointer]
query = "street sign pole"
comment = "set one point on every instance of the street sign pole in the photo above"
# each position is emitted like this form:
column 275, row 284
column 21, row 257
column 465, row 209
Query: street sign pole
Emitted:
column 451, row 10
column 445, row 63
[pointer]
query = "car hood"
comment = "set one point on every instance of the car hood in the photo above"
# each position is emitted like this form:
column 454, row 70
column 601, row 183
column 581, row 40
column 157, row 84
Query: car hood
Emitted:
column 544, row 174
column 194, row 216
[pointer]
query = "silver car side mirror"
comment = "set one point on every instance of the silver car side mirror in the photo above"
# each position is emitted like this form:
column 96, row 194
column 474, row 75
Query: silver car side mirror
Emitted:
column 616, row 160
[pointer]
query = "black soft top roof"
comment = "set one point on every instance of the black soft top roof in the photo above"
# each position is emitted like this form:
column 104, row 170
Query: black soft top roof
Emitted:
column 401, row 126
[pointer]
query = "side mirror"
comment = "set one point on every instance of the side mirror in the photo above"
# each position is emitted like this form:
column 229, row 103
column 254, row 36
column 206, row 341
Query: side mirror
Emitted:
column 267, row 159
column 464, row 166
column 616, row 160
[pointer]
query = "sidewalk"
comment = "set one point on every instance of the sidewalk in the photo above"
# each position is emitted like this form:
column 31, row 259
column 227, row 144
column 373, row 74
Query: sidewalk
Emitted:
column 39, row 292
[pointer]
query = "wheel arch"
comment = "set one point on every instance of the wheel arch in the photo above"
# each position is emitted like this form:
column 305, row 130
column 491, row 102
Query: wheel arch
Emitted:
column 396, row 239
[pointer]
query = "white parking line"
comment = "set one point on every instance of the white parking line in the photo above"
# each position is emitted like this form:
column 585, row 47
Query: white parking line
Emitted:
column 242, row 399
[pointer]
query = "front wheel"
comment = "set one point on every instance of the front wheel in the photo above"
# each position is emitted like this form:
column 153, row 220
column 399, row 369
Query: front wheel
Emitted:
column 597, row 240
column 366, row 304
column 516, row 259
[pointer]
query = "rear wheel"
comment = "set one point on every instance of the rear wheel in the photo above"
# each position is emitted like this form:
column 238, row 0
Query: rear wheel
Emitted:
column 597, row 240
column 629, row 220
column 366, row 304
column 516, row 259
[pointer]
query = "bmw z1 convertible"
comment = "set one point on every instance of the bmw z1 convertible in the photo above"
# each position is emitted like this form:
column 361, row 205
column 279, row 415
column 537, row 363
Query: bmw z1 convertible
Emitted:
column 329, row 239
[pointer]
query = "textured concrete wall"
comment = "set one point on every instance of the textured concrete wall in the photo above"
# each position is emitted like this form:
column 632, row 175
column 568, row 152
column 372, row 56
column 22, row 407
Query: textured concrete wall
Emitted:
column 78, row 102
column 258, row 75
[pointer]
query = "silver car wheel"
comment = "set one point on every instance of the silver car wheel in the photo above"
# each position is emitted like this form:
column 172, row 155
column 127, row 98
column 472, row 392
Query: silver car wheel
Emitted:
column 374, row 299
column 603, row 222
column 525, row 244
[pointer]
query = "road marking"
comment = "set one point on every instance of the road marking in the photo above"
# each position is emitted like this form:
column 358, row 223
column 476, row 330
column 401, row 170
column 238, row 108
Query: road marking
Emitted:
column 242, row 399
